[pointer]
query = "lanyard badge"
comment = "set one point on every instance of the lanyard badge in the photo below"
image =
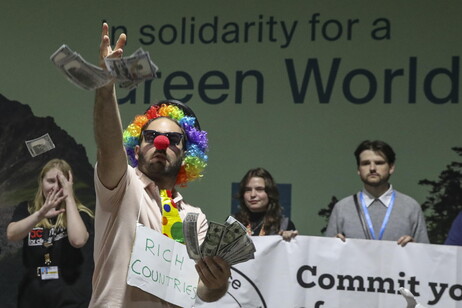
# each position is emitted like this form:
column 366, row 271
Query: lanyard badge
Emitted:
column 385, row 219
column 48, row 272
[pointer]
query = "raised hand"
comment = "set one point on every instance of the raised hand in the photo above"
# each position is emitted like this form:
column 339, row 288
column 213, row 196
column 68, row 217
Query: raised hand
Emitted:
column 106, row 50
column 51, row 208
column 66, row 184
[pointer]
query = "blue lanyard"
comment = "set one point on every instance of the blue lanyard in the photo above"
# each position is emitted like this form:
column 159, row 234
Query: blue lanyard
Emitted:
column 385, row 219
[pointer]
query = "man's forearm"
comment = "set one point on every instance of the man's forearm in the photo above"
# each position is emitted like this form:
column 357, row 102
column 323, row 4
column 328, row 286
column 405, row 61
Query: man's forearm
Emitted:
column 106, row 120
column 112, row 161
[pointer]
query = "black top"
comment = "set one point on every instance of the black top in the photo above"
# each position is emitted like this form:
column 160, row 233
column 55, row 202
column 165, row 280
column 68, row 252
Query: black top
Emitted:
column 74, row 264
column 256, row 222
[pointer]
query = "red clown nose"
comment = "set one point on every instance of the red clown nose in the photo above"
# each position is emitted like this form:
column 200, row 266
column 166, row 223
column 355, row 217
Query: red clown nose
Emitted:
column 161, row 142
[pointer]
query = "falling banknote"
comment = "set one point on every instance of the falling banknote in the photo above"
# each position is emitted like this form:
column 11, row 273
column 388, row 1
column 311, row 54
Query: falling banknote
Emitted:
column 40, row 145
column 127, row 71
column 229, row 240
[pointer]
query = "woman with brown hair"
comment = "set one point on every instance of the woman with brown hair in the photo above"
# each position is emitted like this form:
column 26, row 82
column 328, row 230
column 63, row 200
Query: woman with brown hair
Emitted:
column 259, row 209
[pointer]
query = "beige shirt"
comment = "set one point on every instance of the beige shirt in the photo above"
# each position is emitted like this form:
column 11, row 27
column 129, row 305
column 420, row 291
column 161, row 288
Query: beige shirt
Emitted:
column 116, row 215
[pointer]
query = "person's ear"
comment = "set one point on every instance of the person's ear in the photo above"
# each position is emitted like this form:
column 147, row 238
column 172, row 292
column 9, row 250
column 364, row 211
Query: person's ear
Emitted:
column 137, row 150
column 392, row 168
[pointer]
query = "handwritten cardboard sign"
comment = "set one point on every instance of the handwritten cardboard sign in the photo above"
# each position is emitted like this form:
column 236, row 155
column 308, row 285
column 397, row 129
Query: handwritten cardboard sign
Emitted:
column 162, row 267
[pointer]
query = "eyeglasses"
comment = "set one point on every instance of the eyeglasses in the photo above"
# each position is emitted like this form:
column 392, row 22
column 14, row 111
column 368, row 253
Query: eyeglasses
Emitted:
column 150, row 135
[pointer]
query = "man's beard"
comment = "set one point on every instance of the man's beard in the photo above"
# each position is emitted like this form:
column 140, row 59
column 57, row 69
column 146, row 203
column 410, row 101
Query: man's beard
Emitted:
column 158, row 171
column 381, row 181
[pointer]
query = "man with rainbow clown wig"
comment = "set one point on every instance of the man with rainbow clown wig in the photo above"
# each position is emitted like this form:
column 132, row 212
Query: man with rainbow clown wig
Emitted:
column 164, row 147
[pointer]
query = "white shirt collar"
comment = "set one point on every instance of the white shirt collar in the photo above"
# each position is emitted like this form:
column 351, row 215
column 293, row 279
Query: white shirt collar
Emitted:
column 385, row 198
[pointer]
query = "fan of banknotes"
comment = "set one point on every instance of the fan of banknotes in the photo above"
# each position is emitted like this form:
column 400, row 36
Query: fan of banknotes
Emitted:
column 128, row 71
column 229, row 240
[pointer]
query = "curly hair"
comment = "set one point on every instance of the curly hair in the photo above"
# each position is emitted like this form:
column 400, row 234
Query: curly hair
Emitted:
column 195, row 159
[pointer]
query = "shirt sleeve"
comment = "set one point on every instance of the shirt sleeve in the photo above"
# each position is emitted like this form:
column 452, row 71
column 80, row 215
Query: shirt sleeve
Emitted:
column 421, row 235
column 332, row 225
column 110, row 199
column 88, row 221
column 21, row 211
column 455, row 233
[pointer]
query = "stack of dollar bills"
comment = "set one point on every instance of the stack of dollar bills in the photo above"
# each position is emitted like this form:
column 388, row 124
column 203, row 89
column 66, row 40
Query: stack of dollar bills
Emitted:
column 229, row 240
column 127, row 71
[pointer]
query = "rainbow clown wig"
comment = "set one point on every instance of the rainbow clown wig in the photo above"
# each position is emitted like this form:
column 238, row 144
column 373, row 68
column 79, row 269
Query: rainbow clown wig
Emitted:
column 196, row 145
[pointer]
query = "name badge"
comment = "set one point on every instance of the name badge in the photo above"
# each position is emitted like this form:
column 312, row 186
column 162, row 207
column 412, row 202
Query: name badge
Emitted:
column 48, row 272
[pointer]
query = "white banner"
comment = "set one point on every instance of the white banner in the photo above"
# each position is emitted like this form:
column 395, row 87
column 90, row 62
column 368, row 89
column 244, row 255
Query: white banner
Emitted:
column 162, row 267
column 325, row 272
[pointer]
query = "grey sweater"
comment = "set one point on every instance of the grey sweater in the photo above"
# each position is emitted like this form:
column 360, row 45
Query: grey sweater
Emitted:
column 406, row 219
